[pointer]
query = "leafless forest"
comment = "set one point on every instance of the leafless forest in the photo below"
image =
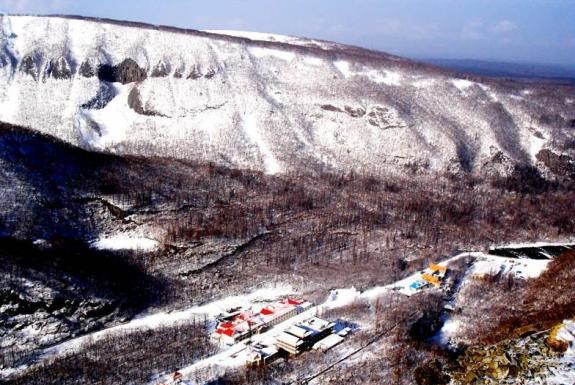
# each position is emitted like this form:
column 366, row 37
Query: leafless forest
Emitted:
column 225, row 231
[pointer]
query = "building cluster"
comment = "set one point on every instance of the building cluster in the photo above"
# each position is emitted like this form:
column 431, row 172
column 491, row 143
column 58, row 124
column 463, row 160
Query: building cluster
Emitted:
column 238, row 324
column 312, row 332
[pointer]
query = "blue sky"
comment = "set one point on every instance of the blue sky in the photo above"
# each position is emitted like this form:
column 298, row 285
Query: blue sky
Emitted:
column 541, row 31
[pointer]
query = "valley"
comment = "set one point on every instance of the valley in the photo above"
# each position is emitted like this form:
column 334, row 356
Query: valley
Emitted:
column 155, row 179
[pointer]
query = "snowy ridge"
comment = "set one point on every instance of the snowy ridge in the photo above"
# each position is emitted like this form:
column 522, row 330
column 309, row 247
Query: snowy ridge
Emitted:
column 313, row 104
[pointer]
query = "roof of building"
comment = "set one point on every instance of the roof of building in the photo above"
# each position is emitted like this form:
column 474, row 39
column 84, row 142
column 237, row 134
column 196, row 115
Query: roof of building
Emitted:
column 289, row 339
column 266, row 311
column 243, row 321
column 431, row 279
column 328, row 342
column 315, row 324
column 299, row 331
column 436, row 267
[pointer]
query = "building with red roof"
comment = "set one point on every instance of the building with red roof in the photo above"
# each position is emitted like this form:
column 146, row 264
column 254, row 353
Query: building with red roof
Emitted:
column 240, row 324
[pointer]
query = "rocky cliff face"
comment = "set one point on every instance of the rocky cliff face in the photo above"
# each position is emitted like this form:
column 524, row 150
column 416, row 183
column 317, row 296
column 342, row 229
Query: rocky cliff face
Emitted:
column 273, row 104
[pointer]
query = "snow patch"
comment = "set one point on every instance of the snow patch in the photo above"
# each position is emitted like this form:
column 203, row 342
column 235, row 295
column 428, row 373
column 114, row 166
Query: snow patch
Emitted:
column 383, row 76
column 252, row 131
column 344, row 67
column 520, row 245
column 423, row 83
column 125, row 242
column 260, row 52
column 447, row 331
column 521, row 268
column 490, row 93
column 391, row 78
column 535, row 145
column 462, row 84
column 313, row 61
column 341, row 297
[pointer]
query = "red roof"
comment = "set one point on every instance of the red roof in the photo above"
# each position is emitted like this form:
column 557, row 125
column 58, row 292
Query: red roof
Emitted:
column 266, row 311
column 226, row 325
column 227, row 331
column 292, row 301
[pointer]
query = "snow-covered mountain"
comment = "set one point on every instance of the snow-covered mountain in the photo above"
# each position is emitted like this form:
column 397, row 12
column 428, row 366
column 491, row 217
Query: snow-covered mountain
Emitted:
column 266, row 102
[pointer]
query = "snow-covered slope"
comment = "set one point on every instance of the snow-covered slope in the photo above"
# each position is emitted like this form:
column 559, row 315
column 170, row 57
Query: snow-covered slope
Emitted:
column 264, row 102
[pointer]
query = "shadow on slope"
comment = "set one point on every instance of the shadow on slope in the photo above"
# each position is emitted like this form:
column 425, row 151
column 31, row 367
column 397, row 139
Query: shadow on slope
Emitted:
column 62, row 290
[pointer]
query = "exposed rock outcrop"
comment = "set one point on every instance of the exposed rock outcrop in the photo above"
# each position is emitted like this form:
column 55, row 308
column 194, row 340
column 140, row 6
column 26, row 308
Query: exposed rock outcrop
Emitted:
column 561, row 165
column 136, row 104
column 86, row 70
column 196, row 73
column 58, row 69
column 384, row 118
column 179, row 72
column 161, row 70
column 210, row 74
column 126, row 72
column 354, row 112
column 29, row 66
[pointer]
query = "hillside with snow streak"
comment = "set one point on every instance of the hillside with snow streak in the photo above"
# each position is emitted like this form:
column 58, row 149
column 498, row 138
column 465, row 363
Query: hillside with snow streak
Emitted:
column 267, row 102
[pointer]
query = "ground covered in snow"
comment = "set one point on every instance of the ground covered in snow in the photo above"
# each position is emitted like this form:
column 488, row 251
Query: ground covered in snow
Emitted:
column 165, row 174
column 267, row 102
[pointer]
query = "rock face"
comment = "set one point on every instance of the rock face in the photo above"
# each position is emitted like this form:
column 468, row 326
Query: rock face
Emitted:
column 126, row 72
column 86, row 70
column 161, row 70
column 58, row 69
column 275, row 106
column 195, row 73
column 509, row 362
column 135, row 103
column 29, row 67
column 179, row 72
column 561, row 165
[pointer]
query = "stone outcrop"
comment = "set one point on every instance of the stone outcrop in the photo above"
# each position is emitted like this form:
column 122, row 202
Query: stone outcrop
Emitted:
column 58, row 69
column 179, row 72
column 195, row 73
column 508, row 362
column 28, row 66
column 126, row 72
column 86, row 70
column 161, row 70
column 384, row 118
column 136, row 104
column 561, row 165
